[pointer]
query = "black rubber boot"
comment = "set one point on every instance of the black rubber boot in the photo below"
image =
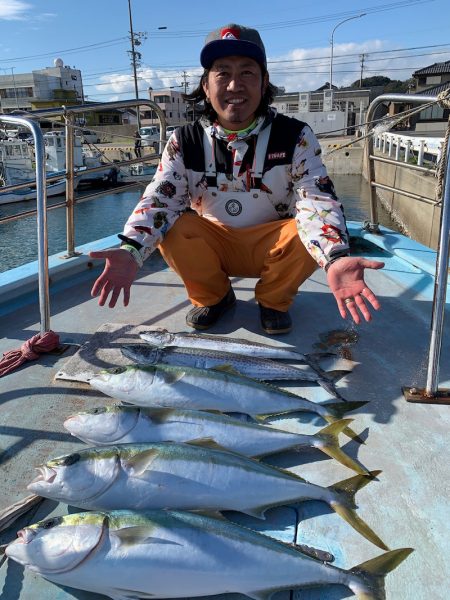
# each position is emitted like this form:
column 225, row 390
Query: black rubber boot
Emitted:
column 203, row 317
column 275, row 322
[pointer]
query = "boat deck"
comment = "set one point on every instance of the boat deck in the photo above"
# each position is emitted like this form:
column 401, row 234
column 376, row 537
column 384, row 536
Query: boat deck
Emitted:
column 406, row 505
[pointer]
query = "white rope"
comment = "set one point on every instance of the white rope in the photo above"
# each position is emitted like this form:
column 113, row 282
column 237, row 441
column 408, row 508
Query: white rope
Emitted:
column 443, row 100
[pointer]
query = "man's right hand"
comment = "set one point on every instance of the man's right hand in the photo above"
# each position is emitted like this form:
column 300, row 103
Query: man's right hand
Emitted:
column 119, row 273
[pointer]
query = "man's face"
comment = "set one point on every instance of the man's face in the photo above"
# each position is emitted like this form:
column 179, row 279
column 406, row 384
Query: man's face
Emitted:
column 234, row 88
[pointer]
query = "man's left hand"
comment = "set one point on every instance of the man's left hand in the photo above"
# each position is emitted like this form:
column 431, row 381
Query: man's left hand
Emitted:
column 346, row 280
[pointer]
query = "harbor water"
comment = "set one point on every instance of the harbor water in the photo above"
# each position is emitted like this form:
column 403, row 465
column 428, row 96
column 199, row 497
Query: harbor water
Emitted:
column 106, row 215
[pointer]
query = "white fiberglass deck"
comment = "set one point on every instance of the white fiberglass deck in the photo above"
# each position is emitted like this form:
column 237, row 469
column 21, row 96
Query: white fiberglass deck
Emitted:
column 406, row 507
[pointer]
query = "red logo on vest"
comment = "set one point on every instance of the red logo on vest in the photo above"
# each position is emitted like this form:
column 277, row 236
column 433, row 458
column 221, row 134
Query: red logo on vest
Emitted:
column 230, row 34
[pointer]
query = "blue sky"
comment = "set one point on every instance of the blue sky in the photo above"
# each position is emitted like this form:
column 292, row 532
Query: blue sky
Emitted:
column 395, row 37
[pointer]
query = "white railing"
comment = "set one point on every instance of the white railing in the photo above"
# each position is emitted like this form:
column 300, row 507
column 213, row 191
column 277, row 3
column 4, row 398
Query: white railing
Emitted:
column 403, row 147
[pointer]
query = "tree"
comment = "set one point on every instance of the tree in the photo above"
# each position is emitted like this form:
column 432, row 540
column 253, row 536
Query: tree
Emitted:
column 392, row 86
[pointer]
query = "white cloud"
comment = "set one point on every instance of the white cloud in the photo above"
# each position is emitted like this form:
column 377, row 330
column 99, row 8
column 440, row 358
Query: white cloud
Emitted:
column 13, row 10
column 155, row 78
column 310, row 68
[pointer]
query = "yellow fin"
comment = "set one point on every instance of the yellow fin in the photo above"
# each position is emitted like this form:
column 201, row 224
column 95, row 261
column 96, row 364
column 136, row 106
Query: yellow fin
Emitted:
column 141, row 461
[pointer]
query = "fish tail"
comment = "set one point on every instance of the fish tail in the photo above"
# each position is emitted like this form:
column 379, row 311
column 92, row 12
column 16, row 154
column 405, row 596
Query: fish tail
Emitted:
column 344, row 505
column 338, row 410
column 367, row 579
column 327, row 381
column 329, row 444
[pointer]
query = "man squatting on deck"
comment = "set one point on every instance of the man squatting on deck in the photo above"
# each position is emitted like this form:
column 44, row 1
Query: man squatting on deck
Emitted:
column 240, row 192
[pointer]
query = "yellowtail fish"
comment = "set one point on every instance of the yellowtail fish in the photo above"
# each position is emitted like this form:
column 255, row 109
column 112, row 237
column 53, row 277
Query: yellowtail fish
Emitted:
column 209, row 389
column 134, row 425
column 191, row 476
column 171, row 554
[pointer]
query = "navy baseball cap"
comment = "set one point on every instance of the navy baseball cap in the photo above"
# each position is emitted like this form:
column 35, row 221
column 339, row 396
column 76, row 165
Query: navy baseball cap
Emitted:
column 233, row 40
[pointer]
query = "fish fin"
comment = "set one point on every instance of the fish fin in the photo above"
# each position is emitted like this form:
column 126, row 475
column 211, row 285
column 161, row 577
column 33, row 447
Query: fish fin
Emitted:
column 211, row 514
column 260, row 594
column 329, row 444
column 225, row 368
column 123, row 594
column 141, row 462
column 367, row 579
column 257, row 511
column 316, row 553
column 338, row 410
column 344, row 505
column 129, row 536
column 211, row 444
column 333, row 376
column 328, row 379
column 171, row 378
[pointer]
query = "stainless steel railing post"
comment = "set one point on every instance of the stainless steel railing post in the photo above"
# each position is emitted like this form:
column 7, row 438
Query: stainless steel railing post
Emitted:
column 70, row 194
column 440, row 289
column 41, row 201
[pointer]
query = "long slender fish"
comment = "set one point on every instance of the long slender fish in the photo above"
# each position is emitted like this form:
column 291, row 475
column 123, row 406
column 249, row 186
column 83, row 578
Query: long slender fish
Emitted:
column 187, row 477
column 264, row 369
column 171, row 554
column 208, row 389
column 163, row 338
column 134, row 425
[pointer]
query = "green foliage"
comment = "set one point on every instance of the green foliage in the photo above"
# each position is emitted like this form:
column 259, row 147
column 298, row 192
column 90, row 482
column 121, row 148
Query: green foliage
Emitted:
column 392, row 86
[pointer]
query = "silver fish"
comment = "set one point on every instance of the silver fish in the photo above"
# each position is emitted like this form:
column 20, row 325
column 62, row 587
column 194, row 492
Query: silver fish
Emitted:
column 193, row 476
column 264, row 369
column 172, row 554
column 134, row 425
column 163, row 338
column 209, row 389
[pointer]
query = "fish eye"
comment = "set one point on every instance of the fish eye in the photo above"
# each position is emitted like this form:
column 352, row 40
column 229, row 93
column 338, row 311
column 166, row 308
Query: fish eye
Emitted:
column 51, row 523
column 116, row 370
column 71, row 459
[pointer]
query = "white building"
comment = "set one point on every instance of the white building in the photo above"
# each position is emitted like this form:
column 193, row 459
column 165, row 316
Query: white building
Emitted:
column 43, row 88
column 171, row 103
column 326, row 110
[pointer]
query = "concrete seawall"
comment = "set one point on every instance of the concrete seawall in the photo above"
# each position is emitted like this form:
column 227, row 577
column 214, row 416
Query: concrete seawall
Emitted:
column 420, row 220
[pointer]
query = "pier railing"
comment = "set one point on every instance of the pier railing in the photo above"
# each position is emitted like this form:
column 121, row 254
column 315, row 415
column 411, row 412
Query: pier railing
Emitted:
column 67, row 114
column 431, row 392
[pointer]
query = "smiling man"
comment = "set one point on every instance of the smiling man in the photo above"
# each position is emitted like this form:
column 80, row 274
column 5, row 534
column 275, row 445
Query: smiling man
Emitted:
column 241, row 192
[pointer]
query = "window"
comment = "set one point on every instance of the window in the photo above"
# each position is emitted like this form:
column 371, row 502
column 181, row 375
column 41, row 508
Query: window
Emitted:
column 432, row 113
column 161, row 99
column 433, row 79
column 19, row 92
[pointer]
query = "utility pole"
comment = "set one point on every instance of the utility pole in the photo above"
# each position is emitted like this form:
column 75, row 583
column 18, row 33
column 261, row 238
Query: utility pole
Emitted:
column 136, row 40
column 185, row 81
column 362, row 58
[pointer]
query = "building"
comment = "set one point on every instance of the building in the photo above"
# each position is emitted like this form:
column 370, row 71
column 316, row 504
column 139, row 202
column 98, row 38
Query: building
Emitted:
column 327, row 110
column 431, row 81
column 171, row 103
column 44, row 88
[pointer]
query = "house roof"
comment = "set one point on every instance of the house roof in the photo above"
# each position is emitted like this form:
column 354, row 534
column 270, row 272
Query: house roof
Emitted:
column 435, row 69
column 435, row 90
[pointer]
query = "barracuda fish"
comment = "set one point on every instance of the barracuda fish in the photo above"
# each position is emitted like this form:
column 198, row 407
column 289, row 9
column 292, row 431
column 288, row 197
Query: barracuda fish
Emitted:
column 134, row 425
column 264, row 369
column 170, row 554
column 187, row 477
column 209, row 389
column 182, row 339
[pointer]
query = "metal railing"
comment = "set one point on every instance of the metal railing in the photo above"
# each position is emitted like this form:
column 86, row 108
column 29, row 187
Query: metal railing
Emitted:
column 30, row 122
column 431, row 392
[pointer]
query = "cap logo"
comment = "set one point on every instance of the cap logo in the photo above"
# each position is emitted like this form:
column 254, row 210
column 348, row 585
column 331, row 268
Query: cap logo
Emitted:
column 229, row 34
